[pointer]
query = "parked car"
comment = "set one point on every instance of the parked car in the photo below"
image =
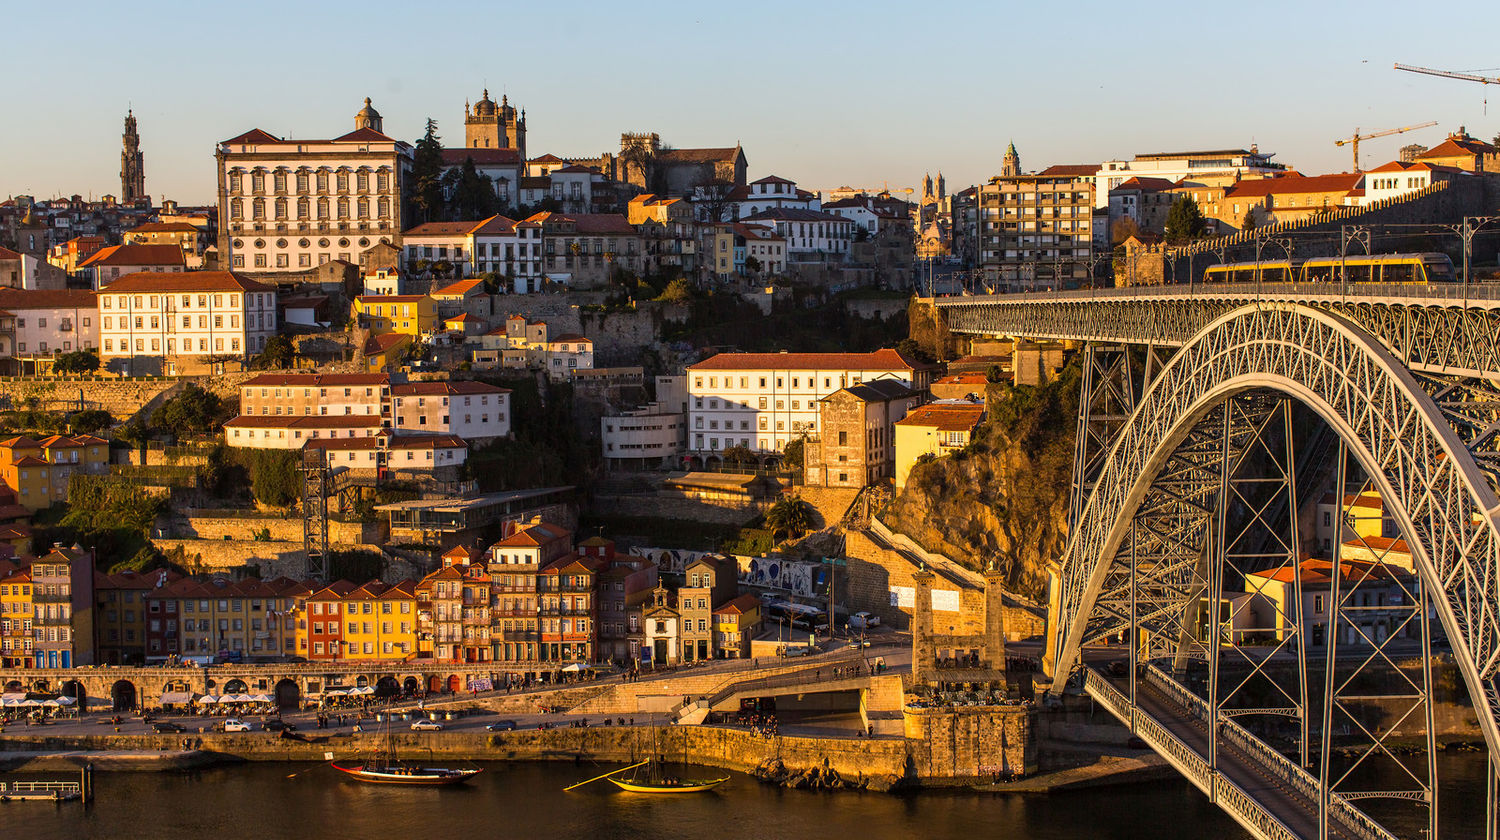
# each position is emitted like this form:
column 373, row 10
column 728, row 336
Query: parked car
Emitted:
column 426, row 726
column 237, row 725
column 502, row 726
column 167, row 727
column 863, row 620
column 796, row 651
column 278, row 726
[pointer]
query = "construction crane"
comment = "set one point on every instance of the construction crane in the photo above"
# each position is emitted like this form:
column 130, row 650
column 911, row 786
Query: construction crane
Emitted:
column 1354, row 141
column 1448, row 74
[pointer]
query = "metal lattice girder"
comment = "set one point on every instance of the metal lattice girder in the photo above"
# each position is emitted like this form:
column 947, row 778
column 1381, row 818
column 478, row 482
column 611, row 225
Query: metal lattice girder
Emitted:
column 1435, row 491
column 1435, row 329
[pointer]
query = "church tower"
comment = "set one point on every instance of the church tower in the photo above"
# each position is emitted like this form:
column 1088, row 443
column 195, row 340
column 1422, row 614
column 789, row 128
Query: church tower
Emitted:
column 368, row 117
column 942, row 187
column 491, row 126
column 132, row 165
column 1011, row 167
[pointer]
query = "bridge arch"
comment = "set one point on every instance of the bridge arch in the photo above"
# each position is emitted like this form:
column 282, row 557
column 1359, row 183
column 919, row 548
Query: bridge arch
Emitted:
column 1436, row 493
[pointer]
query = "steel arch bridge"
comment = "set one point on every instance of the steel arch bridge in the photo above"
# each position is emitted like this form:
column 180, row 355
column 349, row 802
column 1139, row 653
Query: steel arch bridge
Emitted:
column 1405, row 381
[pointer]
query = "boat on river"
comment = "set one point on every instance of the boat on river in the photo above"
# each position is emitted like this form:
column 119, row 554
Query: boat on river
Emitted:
column 655, row 781
column 384, row 768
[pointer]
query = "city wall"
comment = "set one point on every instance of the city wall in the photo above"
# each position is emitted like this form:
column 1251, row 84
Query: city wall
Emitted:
column 121, row 398
column 287, row 529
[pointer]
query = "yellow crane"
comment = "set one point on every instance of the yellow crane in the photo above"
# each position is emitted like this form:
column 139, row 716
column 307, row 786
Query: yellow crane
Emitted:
column 1354, row 141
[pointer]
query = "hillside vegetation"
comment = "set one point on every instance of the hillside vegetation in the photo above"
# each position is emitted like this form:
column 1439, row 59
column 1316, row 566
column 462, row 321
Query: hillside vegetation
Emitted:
column 1005, row 496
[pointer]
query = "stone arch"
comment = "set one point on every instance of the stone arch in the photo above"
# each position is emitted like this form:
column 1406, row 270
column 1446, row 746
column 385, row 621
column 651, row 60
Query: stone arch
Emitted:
column 361, row 681
column 14, row 686
column 434, row 684
column 41, row 685
column 411, row 685
column 288, row 695
column 123, row 695
column 236, row 686
column 455, row 683
column 1440, row 500
column 75, row 690
column 387, row 686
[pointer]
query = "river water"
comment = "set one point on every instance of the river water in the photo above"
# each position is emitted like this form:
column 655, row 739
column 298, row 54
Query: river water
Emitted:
column 525, row 800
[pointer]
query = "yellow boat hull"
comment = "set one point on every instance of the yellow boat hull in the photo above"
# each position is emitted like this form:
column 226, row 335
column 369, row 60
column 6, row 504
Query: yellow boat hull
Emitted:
column 693, row 787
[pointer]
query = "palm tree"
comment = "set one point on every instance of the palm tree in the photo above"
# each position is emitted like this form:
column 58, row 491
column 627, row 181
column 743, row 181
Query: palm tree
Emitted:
column 791, row 516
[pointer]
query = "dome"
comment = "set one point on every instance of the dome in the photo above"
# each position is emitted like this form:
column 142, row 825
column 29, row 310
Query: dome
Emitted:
column 367, row 111
column 485, row 107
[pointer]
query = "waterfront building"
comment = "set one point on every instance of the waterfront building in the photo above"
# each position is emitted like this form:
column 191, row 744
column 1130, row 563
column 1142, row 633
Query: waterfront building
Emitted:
column 514, row 564
column 380, row 621
column 17, row 642
column 288, row 205
column 566, row 609
column 320, row 623
column 936, row 429
column 183, row 324
column 736, row 622
column 709, row 580
column 763, row 401
column 314, row 394
column 453, row 610
column 120, row 613
column 250, row 617
column 661, row 627
column 623, row 586
column 62, row 599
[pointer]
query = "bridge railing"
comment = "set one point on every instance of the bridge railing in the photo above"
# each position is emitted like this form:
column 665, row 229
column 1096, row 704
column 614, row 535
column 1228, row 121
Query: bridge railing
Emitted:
column 1474, row 291
column 1234, row 799
column 1177, row 691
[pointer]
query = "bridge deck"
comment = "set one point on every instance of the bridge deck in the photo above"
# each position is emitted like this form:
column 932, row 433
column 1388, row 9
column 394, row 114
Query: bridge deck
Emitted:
column 1472, row 296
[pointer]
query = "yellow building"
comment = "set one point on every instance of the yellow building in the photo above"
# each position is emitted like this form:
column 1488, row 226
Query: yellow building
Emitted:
column 248, row 618
column 412, row 315
column 718, row 251
column 386, row 353
column 935, row 429
column 736, row 622
column 380, row 621
column 15, row 617
column 39, row 470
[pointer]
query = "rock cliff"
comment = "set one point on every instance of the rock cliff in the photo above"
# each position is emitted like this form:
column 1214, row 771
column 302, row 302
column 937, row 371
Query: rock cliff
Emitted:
column 1005, row 496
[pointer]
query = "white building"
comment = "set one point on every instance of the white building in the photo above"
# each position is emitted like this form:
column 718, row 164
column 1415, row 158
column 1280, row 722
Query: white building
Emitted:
column 386, row 282
column 567, row 353
column 497, row 244
column 292, row 432
column 47, row 322
column 810, row 235
column 762, row 244
column 1220, row 167
column 181, row 323
column 471, row 410
column 648, row 437
column 386, row 451
column 321, row 394
column 765, row 400
column 290, row 205
column 771, row 193
column 1396, row 179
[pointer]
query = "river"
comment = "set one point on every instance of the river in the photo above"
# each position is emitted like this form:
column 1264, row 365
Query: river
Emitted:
column 525, row 800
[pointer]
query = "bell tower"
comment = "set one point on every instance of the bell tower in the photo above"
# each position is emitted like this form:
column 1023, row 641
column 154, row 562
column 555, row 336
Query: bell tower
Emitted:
column 132, row 165
column 1011, row 166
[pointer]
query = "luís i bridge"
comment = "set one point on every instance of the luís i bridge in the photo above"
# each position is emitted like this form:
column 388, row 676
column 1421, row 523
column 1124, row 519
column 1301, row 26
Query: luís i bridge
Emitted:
column 1281, row 674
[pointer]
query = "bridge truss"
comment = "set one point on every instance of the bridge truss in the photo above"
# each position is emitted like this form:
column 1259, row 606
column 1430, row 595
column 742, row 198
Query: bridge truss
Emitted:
column 1262, row 401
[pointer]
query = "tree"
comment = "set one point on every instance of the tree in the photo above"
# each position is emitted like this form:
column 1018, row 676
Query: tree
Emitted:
column 995, row 373
column 712, row 200
column 90, row 421
column 78, row 361
column 677, row 291
column 273, row 477
column 792, row 455
column 1122, row 230
column 279, row 353
column 791, row 516
column 193, row 411
column 1248, row 223
column 1184, row 221
column 426, row 178
column 913, row 349
column 739, row 455
column 752, row 265
column 472, row 193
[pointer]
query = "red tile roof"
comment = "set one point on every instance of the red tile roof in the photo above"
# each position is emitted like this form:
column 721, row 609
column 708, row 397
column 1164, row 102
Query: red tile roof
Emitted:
column 725, row 155
column 532, row 535
column 884, row 359
column 315, row 380
column 1294, row 185
column 1458, row 147
column 187, row 281
column 459, row 288
column 1073, row 169
column 163, row 227
column 482, row 157
column 363, row 135
column 945, row 418
column 590, row 223
column 742, row 604
column 14, row 300
column 135, row 255
column 428, row 389
column 378, row 344
column 1146, row 184
column 310, row 421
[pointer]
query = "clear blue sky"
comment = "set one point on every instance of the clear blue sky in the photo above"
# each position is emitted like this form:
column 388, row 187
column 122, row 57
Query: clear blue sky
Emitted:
column 824, row 93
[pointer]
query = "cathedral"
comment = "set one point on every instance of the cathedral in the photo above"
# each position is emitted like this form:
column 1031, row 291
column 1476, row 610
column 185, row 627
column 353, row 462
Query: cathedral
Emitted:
column 491, row 126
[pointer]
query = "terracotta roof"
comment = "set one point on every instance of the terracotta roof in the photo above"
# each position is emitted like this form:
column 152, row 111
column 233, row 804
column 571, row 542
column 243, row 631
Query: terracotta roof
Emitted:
column 460, row 387
column 253, row 137
column 1422, row 165
column 773, row 179
column 1146, row 184
column 133, row 579
column 135, row 255
column 1394, row 545
column 315, row 380
column 532, row 535
column 724, row 155
column 20, row 442
column 590, row 223
column 8, row 254
column 1371, row 501
column 794, row 214
column 574, row 337
column 1316, row 572
column 496, row 225
column 308, row 421
column 1458, row 147
column 742, row 604
column 572, row 564
column 944, row 418
column 363, row 135
column 884, row 359
column 1074, row 169
column 187, row 281
column 459, row 288
column 963, row 379
column 375, row 345
column 389, row 298
column 482, row 157
column 29, row 461
column 163, row 227
column 547, row 158
column 1294, row 185
column 14, row 300
column 459, row 318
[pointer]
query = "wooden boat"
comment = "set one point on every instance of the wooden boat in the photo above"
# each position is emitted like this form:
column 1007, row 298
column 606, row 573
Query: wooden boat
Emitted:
column 383, row 768
column 654, row 779
column 405, row 774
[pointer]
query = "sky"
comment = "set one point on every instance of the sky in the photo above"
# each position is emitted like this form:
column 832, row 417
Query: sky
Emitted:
column 825, row 93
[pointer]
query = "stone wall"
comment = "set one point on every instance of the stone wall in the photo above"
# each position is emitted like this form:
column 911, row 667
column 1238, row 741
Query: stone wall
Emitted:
column 667, row 505
column 274, row 558
column 121, row 398
column 618, row 336
column 971, row 743
column 191, row 526
column 868, row 308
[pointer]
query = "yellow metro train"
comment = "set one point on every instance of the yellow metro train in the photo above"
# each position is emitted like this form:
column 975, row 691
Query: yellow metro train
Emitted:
column 1377, row 268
